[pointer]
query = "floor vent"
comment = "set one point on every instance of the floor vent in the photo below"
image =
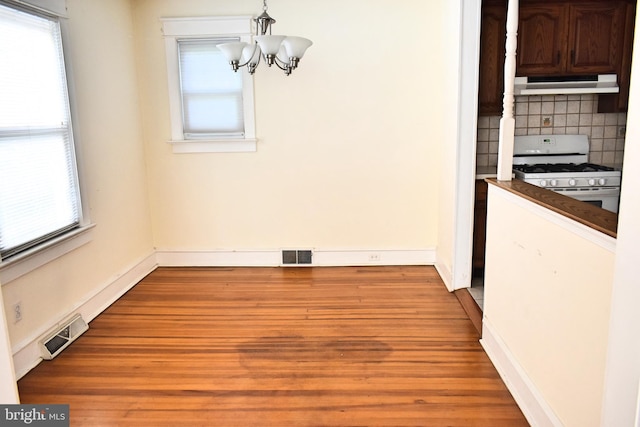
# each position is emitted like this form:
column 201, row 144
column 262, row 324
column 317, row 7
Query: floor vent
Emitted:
column 60, row 339
column 296, row 257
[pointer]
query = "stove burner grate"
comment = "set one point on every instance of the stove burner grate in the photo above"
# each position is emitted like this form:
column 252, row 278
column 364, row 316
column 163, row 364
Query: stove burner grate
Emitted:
column 561, row 167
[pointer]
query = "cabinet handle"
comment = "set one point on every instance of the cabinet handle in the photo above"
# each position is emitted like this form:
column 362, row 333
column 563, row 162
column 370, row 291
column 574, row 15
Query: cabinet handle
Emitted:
column 558, row 58
column 573, row 57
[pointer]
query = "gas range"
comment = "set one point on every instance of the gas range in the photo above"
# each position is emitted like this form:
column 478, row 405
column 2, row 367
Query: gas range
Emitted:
column 559, row 163
column 570, row 175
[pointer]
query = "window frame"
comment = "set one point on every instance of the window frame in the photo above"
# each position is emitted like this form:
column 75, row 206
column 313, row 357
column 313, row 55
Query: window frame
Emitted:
column 26, row 261
column 176, row 29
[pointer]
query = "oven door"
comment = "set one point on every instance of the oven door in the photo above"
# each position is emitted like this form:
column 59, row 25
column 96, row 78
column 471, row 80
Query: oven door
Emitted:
column 605, row 198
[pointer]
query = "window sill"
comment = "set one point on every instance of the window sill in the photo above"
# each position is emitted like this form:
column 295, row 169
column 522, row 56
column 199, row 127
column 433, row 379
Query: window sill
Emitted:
column 25, row 262
column 215, row 146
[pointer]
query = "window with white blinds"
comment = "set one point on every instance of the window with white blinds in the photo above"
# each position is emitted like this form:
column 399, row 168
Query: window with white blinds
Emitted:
column 211, row 92
column 39, row 192
column 211, row 107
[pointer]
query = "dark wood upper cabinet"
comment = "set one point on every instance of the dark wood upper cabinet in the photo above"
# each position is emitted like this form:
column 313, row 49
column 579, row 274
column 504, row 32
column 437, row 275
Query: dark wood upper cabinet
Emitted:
column 542, row 40
column 581, row 38
column 619, row 102
column 596, row 37
column 562, row 37
column 492, row 48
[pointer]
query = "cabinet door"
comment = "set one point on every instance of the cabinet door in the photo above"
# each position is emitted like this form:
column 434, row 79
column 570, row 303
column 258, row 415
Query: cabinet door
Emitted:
column 610, row 103
column 492, row 50
column 479, row 227
column 542, row 34
column 596, row 37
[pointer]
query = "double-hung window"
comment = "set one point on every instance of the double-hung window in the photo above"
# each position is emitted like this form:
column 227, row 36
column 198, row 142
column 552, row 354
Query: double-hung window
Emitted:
column 39, row 189
column 211, row 106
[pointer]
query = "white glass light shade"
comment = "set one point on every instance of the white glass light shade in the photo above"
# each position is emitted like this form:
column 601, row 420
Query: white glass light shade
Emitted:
column 232, row 51
column 251, row 51
column 270, row 44
column 282, row 55
column 296, row 46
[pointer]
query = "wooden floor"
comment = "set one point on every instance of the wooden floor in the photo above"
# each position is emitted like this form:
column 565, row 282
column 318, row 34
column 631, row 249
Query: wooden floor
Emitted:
column 376, row 346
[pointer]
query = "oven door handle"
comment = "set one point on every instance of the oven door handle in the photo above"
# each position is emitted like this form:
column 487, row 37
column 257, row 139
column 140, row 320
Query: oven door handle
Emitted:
column 594, row 192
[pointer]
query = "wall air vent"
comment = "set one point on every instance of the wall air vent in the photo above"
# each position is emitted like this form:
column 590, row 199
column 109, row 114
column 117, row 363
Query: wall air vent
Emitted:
column 296, row 257
column 67, row 332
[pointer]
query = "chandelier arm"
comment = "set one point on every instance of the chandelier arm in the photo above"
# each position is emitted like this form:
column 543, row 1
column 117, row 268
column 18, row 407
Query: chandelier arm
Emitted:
column 278, row 61
column 252, row 67
column 255, row 47
column 284, row 68
column 281, row 60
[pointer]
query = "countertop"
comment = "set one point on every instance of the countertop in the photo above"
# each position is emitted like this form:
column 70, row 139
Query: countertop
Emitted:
column 584, row 213
column 483, row 172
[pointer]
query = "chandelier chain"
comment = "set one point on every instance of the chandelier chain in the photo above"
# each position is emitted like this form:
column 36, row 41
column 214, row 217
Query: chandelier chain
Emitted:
column 264, row 5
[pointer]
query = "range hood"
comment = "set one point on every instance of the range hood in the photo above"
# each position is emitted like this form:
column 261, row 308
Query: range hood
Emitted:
column 566, row 85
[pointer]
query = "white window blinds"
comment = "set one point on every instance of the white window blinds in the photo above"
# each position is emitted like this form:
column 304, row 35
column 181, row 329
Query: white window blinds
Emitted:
column 211, row 93
column 39, row 196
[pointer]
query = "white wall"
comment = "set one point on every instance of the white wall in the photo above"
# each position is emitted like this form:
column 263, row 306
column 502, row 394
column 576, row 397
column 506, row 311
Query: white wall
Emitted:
column 621, row 401
column 112, row 167
column 349, row 145
column 547, row 297
column 8, row 388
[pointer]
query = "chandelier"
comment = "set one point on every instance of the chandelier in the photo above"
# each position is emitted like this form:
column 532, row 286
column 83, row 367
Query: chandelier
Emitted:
column 284, row 51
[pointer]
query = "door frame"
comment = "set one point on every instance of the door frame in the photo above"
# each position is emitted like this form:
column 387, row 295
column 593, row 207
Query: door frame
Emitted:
column 470, row 20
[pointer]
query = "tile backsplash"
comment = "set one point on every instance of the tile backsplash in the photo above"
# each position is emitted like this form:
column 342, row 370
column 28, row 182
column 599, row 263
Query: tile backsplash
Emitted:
column 559, row 114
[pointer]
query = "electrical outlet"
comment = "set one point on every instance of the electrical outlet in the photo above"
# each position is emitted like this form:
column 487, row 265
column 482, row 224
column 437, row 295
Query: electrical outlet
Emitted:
column 374, row 257
column 17, row 312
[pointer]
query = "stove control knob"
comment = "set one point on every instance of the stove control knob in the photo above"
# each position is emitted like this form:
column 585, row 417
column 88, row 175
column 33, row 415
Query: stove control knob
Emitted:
column 602, row 181
column 592, row 181
column 553, row 182
column 543, row 183
column 572, row 182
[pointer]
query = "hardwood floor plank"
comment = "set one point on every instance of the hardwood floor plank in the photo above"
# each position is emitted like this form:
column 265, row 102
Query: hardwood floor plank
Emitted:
column 377, row 346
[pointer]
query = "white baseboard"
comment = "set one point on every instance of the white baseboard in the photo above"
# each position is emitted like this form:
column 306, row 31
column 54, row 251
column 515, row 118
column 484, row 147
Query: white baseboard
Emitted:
column 533, row 406
column 91, row 307
column 26, row 354
column 253, row 258
column 348, row 258
column 273, row 258
column 445, row 274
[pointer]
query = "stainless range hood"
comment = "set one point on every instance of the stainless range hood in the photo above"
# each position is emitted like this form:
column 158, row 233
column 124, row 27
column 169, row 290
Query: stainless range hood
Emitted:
column 564, row 85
